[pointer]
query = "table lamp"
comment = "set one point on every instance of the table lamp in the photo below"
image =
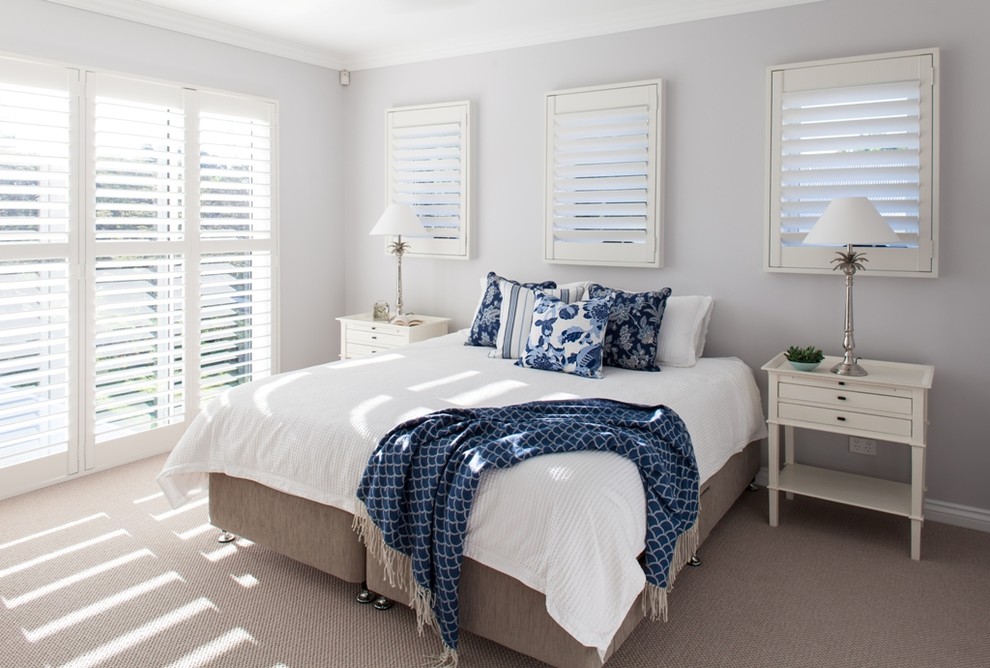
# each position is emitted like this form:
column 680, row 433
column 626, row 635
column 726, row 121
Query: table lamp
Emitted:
column 850, row 221
column 398, row 220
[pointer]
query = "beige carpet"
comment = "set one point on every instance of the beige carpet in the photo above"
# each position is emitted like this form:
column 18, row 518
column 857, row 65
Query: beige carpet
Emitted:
column 99, row 572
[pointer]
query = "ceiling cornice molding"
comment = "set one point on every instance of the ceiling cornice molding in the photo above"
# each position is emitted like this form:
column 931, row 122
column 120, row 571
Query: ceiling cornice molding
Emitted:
column 498, row 41
column 618, row 22
column 160, row 17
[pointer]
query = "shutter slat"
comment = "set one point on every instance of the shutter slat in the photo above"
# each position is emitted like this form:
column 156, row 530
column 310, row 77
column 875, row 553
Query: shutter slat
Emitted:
column 867, row 174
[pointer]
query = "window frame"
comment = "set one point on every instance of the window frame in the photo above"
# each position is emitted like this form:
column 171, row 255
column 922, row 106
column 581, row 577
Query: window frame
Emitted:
column 921, row 261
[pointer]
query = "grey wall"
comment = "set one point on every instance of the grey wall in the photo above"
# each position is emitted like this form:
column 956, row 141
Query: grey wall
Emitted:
column 311, row 126
column 715, row 74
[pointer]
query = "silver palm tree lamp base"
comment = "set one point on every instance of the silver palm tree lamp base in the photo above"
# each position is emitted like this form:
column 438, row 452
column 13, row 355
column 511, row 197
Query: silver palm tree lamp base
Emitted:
column 398, row 249
column 849, row 262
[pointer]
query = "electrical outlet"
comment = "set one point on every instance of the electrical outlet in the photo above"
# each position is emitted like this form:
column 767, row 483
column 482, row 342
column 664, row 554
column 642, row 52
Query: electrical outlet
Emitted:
column 863, row 446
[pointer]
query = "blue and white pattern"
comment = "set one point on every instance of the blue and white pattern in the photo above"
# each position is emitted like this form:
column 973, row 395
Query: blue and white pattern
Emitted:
column 421, row 481
column 633, row 332
column 516, row 316
column 567, row 337
column 485, row 326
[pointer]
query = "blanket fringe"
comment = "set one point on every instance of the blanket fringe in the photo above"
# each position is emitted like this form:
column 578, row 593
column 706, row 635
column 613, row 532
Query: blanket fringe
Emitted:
column 655, row 598
column 397, row 566
column 398, row 573
column 447, row 659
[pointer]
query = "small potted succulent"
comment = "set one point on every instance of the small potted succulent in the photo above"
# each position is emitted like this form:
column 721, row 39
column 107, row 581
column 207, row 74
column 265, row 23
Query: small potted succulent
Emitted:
column 804, row 359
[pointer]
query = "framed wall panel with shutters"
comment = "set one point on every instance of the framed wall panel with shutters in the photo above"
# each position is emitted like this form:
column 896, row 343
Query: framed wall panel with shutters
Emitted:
column 604, row 175
column 429, row 167
column 855, row 127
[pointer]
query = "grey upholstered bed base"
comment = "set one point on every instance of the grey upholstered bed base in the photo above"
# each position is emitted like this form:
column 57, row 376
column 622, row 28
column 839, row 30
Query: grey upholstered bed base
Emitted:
column 492, row 604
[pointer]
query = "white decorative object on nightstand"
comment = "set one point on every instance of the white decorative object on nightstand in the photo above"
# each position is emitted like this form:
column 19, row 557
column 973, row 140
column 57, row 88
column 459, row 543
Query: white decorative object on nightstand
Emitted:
column 890, row 404
column 362, row 335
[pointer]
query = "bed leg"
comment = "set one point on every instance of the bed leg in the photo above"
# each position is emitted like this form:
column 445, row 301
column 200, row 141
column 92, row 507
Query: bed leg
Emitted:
column 364, row 596
column 379, row 602
column 752, row 486
column 226, row 537
column 694, row 561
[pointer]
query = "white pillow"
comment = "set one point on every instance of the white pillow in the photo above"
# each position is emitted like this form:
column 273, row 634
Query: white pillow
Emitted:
column 684, row 329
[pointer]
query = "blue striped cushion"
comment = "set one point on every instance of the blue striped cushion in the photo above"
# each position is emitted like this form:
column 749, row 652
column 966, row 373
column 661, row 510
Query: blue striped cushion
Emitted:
column 484, row 329
column 516, row 316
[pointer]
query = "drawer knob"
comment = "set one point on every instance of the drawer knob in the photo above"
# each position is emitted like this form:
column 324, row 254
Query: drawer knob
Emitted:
column 374, row 338
column 841, row 398
column 840, row 418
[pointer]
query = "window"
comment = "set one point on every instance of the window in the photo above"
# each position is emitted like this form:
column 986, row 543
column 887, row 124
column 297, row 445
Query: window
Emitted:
column 863, row 127
column 429, row 162
column 603, row 175
column 136, row 245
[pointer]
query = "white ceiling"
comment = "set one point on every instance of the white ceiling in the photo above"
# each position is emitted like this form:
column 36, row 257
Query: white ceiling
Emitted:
column 359, row 34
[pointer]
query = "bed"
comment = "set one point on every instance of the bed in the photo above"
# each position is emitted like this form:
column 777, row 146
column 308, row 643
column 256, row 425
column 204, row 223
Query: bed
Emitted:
column 283, row 457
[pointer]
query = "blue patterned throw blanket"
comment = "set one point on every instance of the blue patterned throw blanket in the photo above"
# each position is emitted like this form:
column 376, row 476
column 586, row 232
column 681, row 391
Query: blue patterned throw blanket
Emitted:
column 421, row 481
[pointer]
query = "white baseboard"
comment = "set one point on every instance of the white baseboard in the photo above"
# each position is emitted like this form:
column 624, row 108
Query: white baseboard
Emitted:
column 957, row 515
column 935, row 511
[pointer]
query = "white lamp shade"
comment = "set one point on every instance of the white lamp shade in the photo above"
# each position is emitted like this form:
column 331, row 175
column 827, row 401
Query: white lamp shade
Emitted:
column 398, row 220
column 851, row 220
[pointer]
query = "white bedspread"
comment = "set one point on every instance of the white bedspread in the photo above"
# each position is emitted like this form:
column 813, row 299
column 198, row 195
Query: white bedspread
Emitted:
column 569, row 525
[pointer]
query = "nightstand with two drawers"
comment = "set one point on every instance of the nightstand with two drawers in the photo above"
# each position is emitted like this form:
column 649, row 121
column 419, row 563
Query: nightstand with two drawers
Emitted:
column 362, row 335
column 888, row 404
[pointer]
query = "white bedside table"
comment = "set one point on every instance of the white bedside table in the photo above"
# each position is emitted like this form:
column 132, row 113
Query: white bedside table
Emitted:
column 889, row 404
column 361, row 335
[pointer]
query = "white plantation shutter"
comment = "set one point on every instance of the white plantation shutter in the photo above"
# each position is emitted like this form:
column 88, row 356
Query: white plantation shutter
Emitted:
column 37, row 340
column 135, row 283
column 34, row 153
column 235, row 319
column 429, row 169
column 34, row 360
column 136, row 229
column 139, row 325
column 603, row 172
column 236, row 270
column 235, row 173
column 139, row 164
column 855, row 128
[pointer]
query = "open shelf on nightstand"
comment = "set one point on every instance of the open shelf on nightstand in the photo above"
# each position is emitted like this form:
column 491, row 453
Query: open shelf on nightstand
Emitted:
column 848, row 488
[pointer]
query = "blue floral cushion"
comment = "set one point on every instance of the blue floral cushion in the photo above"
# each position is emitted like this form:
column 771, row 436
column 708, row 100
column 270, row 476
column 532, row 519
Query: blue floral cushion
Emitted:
column 633, row 332
column 484, row 329
column 567, row 337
